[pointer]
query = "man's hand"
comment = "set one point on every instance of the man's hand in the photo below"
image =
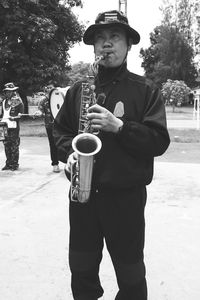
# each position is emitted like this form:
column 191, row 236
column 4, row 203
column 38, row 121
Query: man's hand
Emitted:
column 103, row 119
column 71, row 160
column 38, row 113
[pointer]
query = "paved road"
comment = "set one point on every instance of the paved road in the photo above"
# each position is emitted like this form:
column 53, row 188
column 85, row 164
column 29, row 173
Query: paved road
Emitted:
column 34, row 231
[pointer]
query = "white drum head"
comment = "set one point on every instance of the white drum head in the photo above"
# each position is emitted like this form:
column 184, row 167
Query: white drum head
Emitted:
column 56, row 99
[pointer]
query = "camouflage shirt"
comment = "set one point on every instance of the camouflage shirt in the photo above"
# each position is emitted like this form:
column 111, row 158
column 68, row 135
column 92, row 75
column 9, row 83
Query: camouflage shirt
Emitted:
column 45, row 109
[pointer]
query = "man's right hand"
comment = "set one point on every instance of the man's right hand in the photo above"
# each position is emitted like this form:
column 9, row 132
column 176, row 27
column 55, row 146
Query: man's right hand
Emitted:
column 70, row 161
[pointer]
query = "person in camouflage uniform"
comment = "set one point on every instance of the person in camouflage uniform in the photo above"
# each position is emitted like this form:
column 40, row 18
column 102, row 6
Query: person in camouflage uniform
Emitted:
column 44, row 109
column 12, row 107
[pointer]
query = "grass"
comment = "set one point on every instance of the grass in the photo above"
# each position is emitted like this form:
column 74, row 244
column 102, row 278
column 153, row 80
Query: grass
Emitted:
column 181, row 153
column 180, row 113
column 35, row 127
column 32, row 127
column 184, row 147
column 184, row 135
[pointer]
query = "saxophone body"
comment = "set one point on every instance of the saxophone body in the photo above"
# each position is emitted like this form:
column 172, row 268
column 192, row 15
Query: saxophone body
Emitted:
column 86, row 144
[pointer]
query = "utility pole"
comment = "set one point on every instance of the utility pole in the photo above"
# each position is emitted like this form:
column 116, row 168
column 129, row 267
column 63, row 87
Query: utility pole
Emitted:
column 123, row 6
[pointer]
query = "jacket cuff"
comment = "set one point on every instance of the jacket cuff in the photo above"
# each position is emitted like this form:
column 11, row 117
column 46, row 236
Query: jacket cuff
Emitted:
column 123, row 128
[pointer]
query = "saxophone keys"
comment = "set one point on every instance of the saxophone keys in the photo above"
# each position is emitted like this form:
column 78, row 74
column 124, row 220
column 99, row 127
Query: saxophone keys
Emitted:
column 92, row 87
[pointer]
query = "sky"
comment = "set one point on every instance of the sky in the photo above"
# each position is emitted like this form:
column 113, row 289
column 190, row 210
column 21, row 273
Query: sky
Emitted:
column 143, row 15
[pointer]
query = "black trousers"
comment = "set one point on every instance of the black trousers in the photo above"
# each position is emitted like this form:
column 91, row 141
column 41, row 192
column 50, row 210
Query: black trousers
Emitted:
column 52, row 146
column 116, row 217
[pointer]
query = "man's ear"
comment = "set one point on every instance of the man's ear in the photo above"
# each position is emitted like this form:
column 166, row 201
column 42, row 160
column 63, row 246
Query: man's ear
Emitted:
column 129, row 44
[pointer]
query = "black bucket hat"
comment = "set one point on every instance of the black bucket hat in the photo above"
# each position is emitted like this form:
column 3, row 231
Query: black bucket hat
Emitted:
column 112, row 17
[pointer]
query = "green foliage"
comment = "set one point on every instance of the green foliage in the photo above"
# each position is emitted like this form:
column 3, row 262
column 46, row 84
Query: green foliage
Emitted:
column 183, row 14
column 167, row 9
column 78, row 72
column 168, row 57
column 175, row 92
column 35, row 36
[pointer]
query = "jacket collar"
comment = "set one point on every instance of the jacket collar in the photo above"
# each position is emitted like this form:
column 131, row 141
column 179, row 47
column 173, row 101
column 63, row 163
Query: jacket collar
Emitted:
column 110, row 75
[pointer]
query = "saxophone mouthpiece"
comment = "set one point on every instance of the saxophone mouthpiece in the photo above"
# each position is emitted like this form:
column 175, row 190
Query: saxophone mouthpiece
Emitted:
column 99, row 58
column 103, row 56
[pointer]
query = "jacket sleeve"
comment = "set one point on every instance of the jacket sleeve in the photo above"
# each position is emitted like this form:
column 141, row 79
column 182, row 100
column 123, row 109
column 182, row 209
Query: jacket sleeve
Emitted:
column 18, row 109
column 65, row 127
column 148, row 138
column 21, row 108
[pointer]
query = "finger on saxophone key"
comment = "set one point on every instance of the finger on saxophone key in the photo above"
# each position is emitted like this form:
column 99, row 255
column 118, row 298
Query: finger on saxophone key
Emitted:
column 71, row 160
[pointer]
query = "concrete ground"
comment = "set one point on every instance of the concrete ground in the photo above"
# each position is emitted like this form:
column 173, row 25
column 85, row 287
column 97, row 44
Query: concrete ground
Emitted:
column 34, row 231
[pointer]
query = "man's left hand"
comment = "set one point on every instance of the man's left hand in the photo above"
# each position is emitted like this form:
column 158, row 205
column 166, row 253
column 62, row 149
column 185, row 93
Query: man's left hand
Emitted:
column 102, row 119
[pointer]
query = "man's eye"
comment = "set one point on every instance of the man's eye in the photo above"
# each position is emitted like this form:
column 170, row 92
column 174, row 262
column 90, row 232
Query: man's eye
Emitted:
column 98, row 37
column 115, row 36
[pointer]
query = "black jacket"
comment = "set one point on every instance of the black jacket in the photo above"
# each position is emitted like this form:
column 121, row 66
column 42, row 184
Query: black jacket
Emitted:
column 126, row 158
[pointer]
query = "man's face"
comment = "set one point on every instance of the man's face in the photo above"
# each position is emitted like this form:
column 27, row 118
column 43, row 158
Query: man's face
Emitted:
column 49, row 88
column 113, row 43
column 10, row 94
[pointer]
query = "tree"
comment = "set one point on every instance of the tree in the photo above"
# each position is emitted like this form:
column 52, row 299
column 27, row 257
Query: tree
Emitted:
column 182, row 14
column 175, row 92
column 167, row 10
column 168, row 57
column 78, row 72
column 35, row 36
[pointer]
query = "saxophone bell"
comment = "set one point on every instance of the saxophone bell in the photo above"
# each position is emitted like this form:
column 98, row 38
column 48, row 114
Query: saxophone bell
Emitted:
column 86, row 145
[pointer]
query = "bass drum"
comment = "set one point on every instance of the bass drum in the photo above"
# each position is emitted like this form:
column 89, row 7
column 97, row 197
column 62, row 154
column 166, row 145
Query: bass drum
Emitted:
column 56, row 99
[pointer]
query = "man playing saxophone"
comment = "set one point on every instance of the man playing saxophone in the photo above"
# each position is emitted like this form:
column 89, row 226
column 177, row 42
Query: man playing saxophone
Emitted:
column 131, row 124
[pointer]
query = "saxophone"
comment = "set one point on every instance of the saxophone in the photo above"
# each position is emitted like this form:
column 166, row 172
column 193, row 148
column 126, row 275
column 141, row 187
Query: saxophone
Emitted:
column 86, row 144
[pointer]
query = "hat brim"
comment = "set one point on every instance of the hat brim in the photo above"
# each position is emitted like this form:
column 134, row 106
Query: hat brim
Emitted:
column 11, row 89
column 88, row 37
